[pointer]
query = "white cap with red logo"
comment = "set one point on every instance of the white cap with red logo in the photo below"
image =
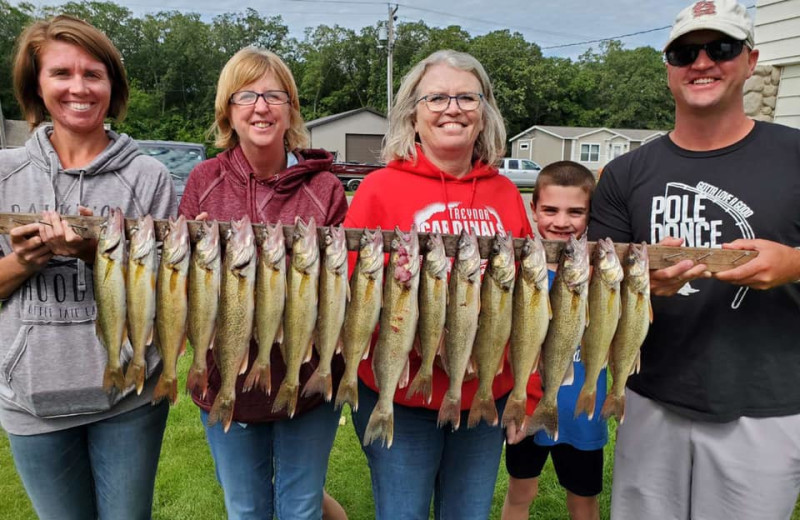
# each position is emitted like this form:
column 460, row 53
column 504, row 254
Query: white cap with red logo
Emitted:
column 726, row 16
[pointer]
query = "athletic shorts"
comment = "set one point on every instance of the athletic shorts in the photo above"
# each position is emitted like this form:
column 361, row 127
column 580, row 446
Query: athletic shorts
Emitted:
column 578, row 471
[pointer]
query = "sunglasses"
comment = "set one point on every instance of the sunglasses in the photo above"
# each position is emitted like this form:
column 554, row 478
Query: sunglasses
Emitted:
column 719, row 50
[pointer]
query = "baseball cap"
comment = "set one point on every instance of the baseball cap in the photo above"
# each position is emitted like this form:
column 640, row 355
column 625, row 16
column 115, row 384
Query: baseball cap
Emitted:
column 726, row 16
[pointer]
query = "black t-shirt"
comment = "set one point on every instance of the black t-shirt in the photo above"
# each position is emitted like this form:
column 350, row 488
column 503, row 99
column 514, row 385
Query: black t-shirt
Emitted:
column 715, row 351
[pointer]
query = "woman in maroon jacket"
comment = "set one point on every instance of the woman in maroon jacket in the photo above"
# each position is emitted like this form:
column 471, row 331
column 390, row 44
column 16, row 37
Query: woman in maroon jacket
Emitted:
column 266, row 174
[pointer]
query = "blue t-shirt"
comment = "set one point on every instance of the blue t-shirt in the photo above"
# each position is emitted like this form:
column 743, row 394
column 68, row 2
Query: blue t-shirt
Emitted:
column 580, row 433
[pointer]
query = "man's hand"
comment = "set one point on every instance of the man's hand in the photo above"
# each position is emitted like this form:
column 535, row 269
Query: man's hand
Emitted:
column 60, row 238
column 30, row 251
column 669, row 280
column 776, row 264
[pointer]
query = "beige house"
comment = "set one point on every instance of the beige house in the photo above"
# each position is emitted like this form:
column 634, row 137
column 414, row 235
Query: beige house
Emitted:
column 352, row 136
column 592, row 147
column 773, row 93
column 13, row 134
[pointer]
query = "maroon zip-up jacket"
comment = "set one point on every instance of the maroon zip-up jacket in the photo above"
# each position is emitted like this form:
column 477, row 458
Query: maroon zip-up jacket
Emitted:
column 226, row 189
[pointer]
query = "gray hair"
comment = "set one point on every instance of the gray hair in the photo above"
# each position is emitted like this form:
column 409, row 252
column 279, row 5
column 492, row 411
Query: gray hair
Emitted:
column 400, row 140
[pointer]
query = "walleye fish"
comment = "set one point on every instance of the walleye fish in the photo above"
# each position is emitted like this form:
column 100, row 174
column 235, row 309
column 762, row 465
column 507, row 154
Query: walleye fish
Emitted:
column 270, row 302
column 637, row 314
column 172, row 307
column 494, row 327
column 141, row 298
column 604, row 309
column 235, row 317
column 396, row 334
column 300, row 316
column 333, row 295
column 433, row 310
column 531, row 318
column 109, row 288
column 569, row 298
column 361, row 315
column 204, row 284
column 461, row 323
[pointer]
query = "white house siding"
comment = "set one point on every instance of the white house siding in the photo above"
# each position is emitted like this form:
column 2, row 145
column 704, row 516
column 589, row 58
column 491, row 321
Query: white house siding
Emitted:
column 787, row 107
column 602, row 139
column 777, row 24
column 333, row 136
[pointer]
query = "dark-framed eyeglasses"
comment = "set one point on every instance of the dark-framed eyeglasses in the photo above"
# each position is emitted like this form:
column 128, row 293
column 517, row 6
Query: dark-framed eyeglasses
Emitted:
column 724, row 49
column 439, row 102
column 248, row 97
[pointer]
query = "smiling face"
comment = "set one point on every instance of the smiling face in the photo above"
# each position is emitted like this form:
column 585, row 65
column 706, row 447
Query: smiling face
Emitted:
column 74, row 87
column 707, row 85
column 452, row 133
column 261, row 127
column 561, row 211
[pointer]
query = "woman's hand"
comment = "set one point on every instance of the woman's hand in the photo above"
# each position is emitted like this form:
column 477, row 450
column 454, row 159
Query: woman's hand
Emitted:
column 29, row 249
column 60, row 238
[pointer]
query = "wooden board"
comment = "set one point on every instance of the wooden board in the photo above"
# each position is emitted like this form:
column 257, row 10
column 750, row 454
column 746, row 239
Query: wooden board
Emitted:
column 660, row 256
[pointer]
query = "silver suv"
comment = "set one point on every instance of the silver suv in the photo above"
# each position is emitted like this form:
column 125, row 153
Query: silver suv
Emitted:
column 179, row 158
column 522, row 172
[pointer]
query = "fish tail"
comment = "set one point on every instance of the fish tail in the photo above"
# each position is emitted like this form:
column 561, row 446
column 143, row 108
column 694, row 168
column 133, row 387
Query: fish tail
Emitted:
column 197, row 379
column 113, row 378
column 166, row 388
column 348, row 393
column 450, row 412
column 135, row 375
column 259, row 376
column 482, row 409
column 319, row 383
column 286, row 398
column 221, row 412
column 422, row 384
column 614, row 406
column 545, row 417
column 514, row 412
column 380, row 426
column 586, row 402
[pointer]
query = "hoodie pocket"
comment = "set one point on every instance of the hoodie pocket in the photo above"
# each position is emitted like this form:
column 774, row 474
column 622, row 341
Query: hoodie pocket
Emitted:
column 51, row 378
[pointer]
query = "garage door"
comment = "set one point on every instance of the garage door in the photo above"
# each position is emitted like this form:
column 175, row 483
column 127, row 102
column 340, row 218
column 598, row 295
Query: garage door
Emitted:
column 363, row 148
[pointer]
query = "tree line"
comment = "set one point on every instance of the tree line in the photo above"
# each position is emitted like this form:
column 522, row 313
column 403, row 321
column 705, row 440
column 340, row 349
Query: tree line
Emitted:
column 173, row 60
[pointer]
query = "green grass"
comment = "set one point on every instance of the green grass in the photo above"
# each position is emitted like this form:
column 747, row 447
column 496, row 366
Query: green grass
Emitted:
column 187, row 489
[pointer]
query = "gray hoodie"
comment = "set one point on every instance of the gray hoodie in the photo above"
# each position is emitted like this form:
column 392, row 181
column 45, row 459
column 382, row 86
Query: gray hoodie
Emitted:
column 51, row 361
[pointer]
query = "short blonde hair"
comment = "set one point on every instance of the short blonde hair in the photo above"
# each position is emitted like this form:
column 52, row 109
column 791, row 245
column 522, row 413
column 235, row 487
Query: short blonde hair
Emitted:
column 400, row 141
column 73, row 31
column 246, row 66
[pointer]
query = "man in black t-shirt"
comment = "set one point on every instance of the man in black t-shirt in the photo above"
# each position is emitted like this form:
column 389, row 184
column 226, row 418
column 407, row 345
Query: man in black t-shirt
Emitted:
column 712, row 422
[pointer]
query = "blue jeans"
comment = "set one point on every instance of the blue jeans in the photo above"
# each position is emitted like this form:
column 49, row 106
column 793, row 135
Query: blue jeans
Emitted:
column 458, row 468
column 104, row 470
column 294, row 452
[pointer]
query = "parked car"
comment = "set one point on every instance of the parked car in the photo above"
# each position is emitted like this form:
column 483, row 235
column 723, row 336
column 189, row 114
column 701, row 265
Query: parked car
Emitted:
column 351, row 174
column 179, row 158
column 522, row 172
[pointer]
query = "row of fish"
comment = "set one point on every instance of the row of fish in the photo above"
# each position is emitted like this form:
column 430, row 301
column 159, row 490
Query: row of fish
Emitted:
column 220, row 301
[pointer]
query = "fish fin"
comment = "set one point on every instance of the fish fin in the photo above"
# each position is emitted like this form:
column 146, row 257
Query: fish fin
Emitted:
column 472, row 367
column 650, row 307
column 449, row 412
column 309, row 351
column 182, row 348
column 319, row 383
column 549, row 310
column 113, row 378
column 422, row 384
column 586, row 312
column 613, row 406
column 365, row 355
column 221, row 412
column 279, row 335
column 405, row 375
column 244, row 363
column 514, row 412
column 150, row 337
column 380, row 426
column 134, row 375
column 482, row 409
column 535, row 366
column 500, row 365
column 585, row 403
column 286, row 398
column 348, row 292
column 569, row 375
column 165, row 388
column 339, row 345
column 99, row 332
column 347, row 393
column 197, row 379
column 637, row 366
column 440, row 345
column 545, row 417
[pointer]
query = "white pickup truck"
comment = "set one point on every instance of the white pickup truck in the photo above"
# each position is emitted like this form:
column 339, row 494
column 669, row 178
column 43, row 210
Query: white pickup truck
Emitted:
column 522, row 172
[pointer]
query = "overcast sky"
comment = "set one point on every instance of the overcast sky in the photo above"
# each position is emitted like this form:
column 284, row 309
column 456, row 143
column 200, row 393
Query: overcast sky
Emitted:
column 550, row 23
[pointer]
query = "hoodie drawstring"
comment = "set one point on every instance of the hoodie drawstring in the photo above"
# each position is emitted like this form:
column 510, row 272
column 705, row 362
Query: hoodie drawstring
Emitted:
column 81, row 263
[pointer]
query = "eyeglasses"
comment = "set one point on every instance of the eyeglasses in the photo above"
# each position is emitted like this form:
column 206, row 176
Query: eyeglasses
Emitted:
column 719, row 50
column 271, row 97
column 440, row 102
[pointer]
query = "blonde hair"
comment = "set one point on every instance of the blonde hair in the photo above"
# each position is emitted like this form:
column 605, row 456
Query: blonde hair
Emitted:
column 400, row 140
column 73, row 31
column 246, row 66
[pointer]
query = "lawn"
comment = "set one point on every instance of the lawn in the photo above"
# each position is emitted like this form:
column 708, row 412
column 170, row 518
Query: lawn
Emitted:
column 186, row 487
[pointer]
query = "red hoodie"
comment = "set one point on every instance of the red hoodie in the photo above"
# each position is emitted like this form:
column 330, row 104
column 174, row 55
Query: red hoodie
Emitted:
column 226, row 188
column 405, row 193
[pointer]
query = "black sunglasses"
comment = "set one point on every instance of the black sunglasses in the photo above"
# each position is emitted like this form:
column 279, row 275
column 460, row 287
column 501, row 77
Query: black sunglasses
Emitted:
column 725, row 49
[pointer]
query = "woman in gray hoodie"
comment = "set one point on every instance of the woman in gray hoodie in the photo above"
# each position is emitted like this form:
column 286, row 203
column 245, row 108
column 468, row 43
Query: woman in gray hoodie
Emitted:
column 81, row 452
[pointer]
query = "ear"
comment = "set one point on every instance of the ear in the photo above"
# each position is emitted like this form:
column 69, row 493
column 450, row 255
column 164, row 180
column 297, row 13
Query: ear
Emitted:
column 752, row 61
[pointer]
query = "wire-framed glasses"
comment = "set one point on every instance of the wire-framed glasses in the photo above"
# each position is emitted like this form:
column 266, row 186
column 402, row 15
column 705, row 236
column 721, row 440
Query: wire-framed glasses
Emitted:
column 438, row 102
column 271, row 97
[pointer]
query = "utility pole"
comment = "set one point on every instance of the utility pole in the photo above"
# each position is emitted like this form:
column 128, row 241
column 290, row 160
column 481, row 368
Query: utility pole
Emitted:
column 389, row 52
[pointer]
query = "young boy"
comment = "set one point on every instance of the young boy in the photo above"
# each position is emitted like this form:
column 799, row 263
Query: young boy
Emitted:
column 560, row 207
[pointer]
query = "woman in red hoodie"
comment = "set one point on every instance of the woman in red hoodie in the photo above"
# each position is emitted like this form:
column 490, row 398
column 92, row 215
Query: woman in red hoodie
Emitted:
column 445, row 133
column 266, row 174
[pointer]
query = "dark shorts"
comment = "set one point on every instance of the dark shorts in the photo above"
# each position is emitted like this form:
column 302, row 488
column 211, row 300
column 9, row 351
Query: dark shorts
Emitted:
column 578, row 471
